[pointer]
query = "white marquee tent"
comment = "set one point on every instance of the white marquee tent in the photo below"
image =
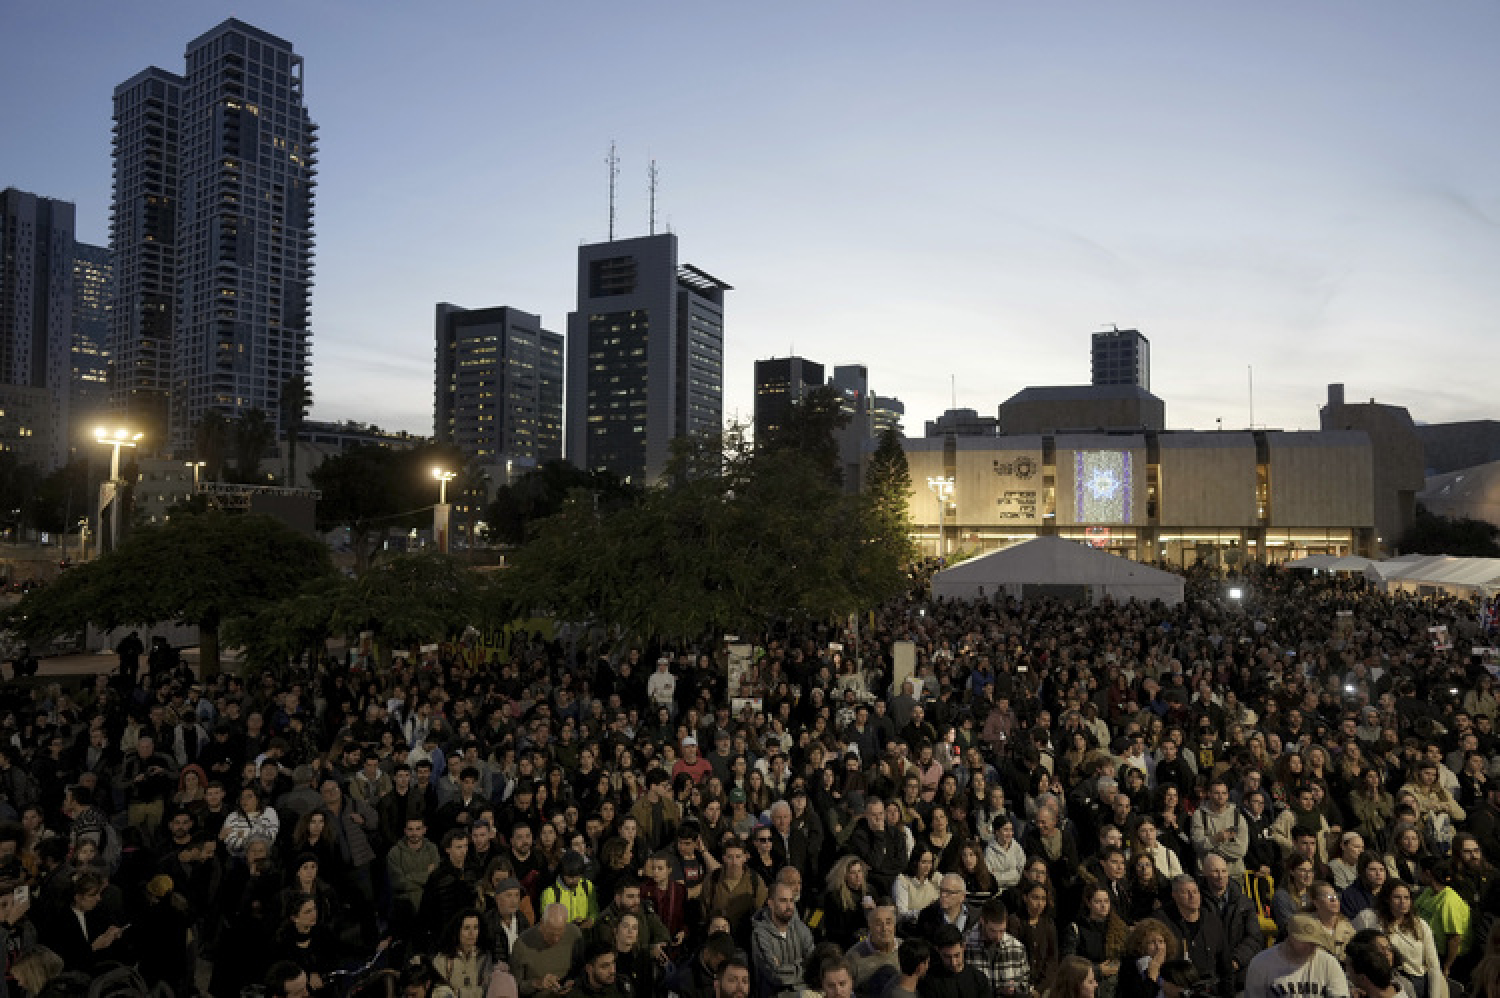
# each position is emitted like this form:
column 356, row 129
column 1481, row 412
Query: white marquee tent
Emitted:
column 1332, row 563
column 1053, row 566
column 1467, row 578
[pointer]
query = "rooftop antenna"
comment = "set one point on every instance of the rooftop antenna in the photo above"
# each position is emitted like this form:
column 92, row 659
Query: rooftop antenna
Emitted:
column 651, row 173
column 953, row 381
column 614, row 175
column 1251, row 369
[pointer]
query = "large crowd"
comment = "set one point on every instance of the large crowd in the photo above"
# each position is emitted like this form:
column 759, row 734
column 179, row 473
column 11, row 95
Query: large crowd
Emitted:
column 1291, row 792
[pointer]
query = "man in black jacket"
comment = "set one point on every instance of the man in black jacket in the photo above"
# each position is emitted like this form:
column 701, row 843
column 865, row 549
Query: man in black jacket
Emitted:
column 1236, row 913
column 882, row 848
column 950, row 976
column 1201, row 933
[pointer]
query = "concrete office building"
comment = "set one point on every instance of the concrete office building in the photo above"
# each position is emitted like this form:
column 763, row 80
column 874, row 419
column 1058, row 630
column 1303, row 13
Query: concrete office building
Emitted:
column 1122, row 357
column 93, row 297
column 212, row 234
column 645, row 356
column 36, row 325
column 1172, row 496
column 499, row 392
column 780, row 384
column 1398, row 472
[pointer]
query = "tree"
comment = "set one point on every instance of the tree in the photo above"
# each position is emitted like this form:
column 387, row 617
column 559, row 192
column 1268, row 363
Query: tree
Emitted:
column 402, row 602
column 812, row 429
column 542, row 492
column 62, row 498
column 211, row 443
column 296, row 396
column 888, row 479
column 369, row 489
column 769, row 538
column 1457, row 536
column 253, row 436
column 200, row 570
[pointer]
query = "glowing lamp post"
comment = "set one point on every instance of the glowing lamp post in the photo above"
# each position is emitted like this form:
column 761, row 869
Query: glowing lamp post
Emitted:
column 109, row 492
column 441, row 511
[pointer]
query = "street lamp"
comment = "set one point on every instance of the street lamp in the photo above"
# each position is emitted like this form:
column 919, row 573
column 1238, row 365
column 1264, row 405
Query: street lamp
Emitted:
column 116, row 439
column 440, row 512
column 942, row 488
column 197, row 467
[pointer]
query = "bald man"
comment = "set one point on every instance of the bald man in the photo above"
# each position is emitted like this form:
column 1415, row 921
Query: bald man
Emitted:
column 543, row 955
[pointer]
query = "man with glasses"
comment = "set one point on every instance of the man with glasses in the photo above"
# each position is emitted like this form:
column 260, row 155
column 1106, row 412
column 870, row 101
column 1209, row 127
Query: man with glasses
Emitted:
column 951, row 908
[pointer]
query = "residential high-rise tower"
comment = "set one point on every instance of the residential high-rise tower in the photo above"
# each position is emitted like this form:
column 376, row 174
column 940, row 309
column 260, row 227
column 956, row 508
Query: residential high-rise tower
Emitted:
column 781, row 383
column 36, row 325
column 93, row 298
column 219, row 165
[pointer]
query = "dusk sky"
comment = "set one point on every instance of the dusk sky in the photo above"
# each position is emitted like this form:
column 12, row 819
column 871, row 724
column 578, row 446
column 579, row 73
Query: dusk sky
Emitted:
column 938, row 191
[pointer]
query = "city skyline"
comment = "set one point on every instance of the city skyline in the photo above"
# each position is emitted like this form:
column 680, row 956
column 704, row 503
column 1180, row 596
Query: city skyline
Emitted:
column 965, row 197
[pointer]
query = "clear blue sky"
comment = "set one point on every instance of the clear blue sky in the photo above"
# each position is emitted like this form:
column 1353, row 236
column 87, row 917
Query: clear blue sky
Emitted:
column 935, row 190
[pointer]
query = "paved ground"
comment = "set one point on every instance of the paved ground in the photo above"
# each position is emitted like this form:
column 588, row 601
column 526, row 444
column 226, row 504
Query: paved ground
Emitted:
column 87, row 664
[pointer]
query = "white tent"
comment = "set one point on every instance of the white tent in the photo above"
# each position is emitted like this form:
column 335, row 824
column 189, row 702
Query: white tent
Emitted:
column 1467, row 578
column 1331, row 563
column 1057, row 567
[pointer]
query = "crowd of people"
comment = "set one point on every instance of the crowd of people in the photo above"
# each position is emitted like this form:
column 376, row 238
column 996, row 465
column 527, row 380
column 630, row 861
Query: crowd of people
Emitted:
column 1295, row 791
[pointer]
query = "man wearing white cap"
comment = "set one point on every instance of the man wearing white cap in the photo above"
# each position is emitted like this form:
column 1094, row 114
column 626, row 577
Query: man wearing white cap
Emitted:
column 1300, row 966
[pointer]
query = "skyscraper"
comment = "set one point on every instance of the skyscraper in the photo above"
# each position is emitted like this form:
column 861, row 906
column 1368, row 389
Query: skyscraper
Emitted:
column 214, row 178
column 499, row 385
column 143, row 240
column 1122, row 357
column 645, row 356
column 93, row 297
column 781, row 383
column 36, row 325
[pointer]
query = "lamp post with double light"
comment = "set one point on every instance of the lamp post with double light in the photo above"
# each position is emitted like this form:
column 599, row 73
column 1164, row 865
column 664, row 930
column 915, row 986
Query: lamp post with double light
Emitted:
column 110, row 492
column 442, row 511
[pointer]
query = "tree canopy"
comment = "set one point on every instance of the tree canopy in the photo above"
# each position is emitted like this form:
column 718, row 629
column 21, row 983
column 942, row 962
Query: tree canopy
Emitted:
column 769, row 537
column 1460, row 536
column 542, row 492
column 200, row 570
column 369, row 489
column 402, row 602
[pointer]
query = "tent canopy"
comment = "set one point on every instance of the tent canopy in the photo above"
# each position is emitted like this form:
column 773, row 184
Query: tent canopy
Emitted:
column 1463, row 577
column 1053, row 566
column 1331, row 563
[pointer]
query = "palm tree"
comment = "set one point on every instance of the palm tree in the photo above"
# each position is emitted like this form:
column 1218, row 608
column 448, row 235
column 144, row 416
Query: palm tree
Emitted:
column 296, row 396
column 253, row 436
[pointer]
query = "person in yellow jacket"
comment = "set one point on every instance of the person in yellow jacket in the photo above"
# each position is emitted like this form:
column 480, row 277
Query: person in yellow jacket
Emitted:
column 573, row 891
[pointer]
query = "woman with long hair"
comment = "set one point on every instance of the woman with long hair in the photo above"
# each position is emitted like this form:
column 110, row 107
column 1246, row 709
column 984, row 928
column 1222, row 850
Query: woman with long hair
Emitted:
column 1148, row 889
column 757, row 794
column 1150, row 945
column 1075, row 979
column 550, row 848
column 917, row 887
column 303, row 879
column 1404, row 861
column 463, row 956
column 1410, row 936
column 844, row 901
column 1098, row 935
column 942, row 839
column 1371, row 807
column 1035, row 928
column 315, row 834
column 302, row 939
column 191, row 783
column 979, row 882
column 1171, row 824
column 635, row 969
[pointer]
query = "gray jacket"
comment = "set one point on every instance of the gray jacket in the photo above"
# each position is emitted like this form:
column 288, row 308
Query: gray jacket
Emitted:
column 778, row 957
